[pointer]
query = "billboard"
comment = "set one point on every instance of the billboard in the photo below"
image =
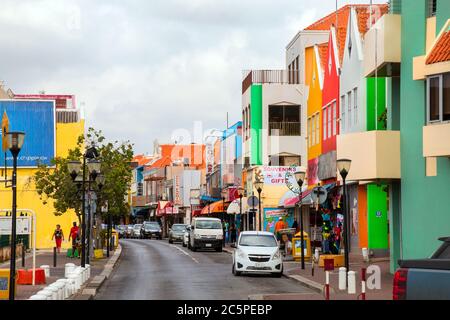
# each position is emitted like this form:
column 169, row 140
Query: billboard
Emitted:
column 37, row 119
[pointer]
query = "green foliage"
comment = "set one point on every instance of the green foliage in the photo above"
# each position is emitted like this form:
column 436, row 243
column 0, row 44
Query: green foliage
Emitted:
column 56, row 183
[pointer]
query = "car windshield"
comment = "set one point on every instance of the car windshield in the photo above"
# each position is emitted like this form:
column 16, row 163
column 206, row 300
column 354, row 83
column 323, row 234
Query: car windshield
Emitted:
column 137, row 226
column 178, row 227
column 151, row 226
column 208, row 224
column 258, row 241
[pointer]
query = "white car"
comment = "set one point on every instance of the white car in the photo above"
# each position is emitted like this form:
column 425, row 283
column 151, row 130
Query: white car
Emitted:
column 257, row 252
column 206, row 233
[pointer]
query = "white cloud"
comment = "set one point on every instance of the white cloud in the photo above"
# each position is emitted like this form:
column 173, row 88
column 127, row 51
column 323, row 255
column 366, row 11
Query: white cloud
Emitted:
column 146, row 68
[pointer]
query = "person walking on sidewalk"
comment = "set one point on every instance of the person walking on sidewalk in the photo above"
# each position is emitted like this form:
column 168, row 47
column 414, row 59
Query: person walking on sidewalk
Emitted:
column 58, row 235
column 74, row 234
column 233, row 232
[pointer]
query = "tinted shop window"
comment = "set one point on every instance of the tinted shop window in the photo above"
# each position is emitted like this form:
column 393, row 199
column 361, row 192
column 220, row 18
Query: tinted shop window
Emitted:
column 433, row 98
column 446, row 97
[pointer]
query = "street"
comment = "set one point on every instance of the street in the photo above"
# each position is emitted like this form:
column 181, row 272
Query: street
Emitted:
column 152, row 269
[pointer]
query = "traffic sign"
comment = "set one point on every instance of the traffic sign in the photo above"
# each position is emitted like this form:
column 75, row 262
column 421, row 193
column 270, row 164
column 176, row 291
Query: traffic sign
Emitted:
column 253, row 201
column 319, row 193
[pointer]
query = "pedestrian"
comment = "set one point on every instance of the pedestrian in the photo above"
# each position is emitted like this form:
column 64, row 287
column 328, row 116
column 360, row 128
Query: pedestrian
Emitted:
column 58, row 235
column 73, row 234
column 227, row 232
column 280, row 225
column 233, row 232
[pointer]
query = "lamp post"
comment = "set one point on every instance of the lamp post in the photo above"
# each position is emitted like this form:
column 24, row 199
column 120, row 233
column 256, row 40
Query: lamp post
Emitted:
column 259, row 185
column 300, row 177
column 241, row 194
column 15, row 143
column 223, row 194
column 93, row 167
column 343, row 166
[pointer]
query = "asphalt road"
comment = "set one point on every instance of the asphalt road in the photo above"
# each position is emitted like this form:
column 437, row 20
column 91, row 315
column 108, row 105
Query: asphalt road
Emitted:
column 156, row 270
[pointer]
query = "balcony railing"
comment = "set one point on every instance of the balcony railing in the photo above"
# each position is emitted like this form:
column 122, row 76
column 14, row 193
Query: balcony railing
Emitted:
column 140, row 201
column 67, row 116
column 269, row 76
column 284, row 128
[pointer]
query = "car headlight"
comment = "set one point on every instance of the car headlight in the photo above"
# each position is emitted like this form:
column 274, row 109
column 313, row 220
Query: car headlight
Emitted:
column 219, row 237
column 277, row 255
column 241, row 254
column 197, row 236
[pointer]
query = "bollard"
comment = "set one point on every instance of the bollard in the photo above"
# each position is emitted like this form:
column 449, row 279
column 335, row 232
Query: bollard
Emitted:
column 327, row 285
column 47, row 293
column 363, row 283
column 88, row 271
column 342, row 278
column 351, row 282
column 53, row 291
column 60, row 286
column 54, row 257
column 38, row 297
column 365, row 254
column 69, row 268
column 72, row 283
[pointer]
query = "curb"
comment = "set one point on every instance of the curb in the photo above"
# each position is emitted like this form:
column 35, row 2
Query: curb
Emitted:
column 92, row 288
column 313, row 285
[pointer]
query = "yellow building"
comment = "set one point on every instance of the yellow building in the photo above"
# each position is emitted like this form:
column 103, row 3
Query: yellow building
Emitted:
column 314, row 81
column 27, row 197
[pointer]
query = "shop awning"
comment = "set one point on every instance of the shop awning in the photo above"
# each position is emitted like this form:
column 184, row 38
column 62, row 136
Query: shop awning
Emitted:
column 306, row 197
column 216, row 207
column 235, row 206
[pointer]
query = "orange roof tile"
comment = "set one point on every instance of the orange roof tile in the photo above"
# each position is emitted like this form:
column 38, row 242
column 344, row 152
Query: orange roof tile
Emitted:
column 142, row 159
column 323, row 50
column 441, row 50
column 341, row 17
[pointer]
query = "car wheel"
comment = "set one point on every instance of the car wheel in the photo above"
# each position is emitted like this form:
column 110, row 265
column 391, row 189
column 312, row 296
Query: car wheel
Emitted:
column 219, row 249
column 170, row 241
column 184, row 244
column 235, row 272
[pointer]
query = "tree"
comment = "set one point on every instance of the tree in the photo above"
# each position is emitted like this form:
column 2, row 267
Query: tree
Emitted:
column 56, row 183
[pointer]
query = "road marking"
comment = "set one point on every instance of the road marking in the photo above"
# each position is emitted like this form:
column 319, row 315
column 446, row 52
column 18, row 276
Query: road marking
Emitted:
column 184, row 252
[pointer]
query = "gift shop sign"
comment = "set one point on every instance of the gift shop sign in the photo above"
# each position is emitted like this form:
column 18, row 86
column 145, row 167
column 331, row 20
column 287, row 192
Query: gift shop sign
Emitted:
column 275, row 175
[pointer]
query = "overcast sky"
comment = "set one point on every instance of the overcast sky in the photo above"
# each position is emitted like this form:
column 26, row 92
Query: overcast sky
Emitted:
column 143, row 69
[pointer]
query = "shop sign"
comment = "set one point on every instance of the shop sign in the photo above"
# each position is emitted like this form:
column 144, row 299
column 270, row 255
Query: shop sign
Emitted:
column 23, row 225
column 209, row 158
column 313, row 167
column 276, row 175
column 177, row 190
column 327, row 166
column 277, row 212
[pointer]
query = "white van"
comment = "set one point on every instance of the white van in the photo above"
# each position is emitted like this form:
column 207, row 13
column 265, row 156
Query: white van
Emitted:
column 206, row 233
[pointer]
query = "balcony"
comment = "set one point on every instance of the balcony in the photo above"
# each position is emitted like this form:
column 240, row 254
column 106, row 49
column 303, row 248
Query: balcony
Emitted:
column 284, row 128
column 382, row 47
column 433, row 143
column 375, row 155
column 269, row 76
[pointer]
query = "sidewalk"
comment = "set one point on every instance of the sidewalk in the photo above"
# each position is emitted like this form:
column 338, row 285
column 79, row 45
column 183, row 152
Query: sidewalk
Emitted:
column 45, row 257
column 292, row 270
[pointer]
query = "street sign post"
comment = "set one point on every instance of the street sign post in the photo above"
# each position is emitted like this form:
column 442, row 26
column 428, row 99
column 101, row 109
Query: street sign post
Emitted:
column 253, row 201
column 319, row 194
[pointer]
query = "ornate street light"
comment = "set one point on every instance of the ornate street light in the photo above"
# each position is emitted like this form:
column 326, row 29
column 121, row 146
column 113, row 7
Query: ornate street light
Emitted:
column 300, row 177
column 259, row 184
column 240, row 191
column 15, row 142
column 343, row 166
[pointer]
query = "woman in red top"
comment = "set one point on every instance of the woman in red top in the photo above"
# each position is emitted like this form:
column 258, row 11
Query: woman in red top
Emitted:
column 58, row 234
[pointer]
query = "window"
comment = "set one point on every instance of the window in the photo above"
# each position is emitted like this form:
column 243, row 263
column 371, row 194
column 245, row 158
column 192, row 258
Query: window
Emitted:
column 317, row 127
column 334, row 119
column 343, row 113
column 324, row 126
column 309, row 131
column 284, row 120
column 355, row 106
column 297, row 72
column 431, row 8
column 286, row 161
column 329, row 121
column 349, row 109
column 438, row 98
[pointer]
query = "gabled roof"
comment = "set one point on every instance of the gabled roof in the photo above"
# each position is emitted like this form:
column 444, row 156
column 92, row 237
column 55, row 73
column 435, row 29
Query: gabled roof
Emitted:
column 323, row 50
column 441, row 50
column 341, row 18
column 142, row 159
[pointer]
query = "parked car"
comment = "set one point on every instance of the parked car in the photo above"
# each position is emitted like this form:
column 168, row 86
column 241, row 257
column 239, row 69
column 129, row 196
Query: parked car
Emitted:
column 129, row 231
column 136, row 233
column 424, row 279
column 176, row 232
column 257, row 252
column 121, row 229
column 206, row 233
column 186, row 236
column 151, row 229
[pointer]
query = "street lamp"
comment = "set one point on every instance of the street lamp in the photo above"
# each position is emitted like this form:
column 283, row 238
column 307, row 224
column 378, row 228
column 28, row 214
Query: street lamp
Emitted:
column 343, row 166
column 223, row 194
column 240, row 194
column 300, row 177
column 259, row 185
column 75, row 167
column 15, row 142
